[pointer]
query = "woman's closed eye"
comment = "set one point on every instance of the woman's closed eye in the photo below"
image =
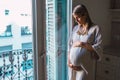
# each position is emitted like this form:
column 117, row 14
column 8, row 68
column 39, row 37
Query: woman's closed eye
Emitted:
column 77, row 19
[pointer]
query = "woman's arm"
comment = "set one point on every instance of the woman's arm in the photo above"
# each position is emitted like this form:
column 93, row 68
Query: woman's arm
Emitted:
column 95, row 48
column 84, row 45
column 91, row 49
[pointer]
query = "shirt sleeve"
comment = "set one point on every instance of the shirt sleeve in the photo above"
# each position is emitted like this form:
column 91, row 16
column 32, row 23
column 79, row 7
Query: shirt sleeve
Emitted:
column 97, row 46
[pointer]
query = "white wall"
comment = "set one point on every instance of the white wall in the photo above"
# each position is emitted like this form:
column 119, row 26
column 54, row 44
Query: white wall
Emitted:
column 100, row 14
column 16, row 40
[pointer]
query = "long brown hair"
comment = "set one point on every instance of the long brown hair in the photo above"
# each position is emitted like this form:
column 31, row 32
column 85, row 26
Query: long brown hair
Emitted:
column 81, row 10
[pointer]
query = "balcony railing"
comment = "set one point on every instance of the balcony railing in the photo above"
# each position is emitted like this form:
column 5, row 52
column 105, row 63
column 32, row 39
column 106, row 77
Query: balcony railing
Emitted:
column 16, row 65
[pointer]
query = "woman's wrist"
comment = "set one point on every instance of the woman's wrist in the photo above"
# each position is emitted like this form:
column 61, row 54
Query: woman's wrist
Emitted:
column 81, row 44
column 77, row 68
column 88, row 47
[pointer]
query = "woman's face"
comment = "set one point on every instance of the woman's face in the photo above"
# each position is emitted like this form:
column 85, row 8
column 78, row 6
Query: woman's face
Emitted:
column 79, row 19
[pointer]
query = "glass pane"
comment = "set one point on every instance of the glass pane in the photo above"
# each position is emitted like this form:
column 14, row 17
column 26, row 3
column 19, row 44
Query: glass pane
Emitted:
column 26, row 45
column 16, row 53
column 56, row 38
column 3, row 48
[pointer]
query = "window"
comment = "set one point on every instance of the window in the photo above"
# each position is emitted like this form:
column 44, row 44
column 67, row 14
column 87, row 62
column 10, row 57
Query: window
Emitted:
column 27, row 45
column 16, row 19
column 7, row 12
column 5, row 48
column 56, row 39
column 24, row 14
column 25, row 30
column 8, row 32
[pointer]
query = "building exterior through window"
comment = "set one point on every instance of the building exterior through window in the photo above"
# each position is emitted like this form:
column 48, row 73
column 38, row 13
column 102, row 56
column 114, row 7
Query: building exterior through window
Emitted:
column 16, row 54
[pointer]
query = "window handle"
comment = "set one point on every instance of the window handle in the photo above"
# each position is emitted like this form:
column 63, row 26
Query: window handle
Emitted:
column 43, row 53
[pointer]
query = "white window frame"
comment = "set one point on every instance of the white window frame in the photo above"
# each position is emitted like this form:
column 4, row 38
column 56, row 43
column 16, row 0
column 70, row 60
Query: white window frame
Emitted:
column 69, row 16
column 39, row 35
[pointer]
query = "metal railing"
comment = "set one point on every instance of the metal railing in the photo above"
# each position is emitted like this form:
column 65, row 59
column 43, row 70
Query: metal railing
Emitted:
column 16, row 65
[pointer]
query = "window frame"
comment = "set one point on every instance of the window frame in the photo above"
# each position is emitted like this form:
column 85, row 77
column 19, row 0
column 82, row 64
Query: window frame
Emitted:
column 39, row 36
column 38, row 9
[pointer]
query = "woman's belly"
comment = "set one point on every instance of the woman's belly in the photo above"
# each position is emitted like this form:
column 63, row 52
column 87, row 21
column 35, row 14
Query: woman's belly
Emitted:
column 76, row 54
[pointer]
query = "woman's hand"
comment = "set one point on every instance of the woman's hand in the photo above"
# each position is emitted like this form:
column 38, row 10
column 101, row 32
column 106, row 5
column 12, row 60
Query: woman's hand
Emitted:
column 76, row 68
column 81, row 44
column 78, row 44
column 84, row 45
column 88, row 47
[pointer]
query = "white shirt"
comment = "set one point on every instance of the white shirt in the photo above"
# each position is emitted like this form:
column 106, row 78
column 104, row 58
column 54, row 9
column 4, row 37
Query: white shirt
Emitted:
column 80, row 56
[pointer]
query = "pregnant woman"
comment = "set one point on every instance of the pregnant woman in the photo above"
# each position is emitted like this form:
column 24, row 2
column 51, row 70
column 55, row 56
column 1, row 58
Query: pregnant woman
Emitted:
column 84, row 47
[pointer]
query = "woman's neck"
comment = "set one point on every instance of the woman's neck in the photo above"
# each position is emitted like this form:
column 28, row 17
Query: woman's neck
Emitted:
column 84, row 25
column 83, row 29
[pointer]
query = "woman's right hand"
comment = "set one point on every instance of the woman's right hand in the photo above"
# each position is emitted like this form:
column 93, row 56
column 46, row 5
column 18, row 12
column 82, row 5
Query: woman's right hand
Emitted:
column 77, row 68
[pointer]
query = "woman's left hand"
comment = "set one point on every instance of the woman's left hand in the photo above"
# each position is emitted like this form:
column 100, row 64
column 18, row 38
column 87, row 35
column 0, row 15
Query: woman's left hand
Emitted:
column 83, row 44
column 77, row 44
